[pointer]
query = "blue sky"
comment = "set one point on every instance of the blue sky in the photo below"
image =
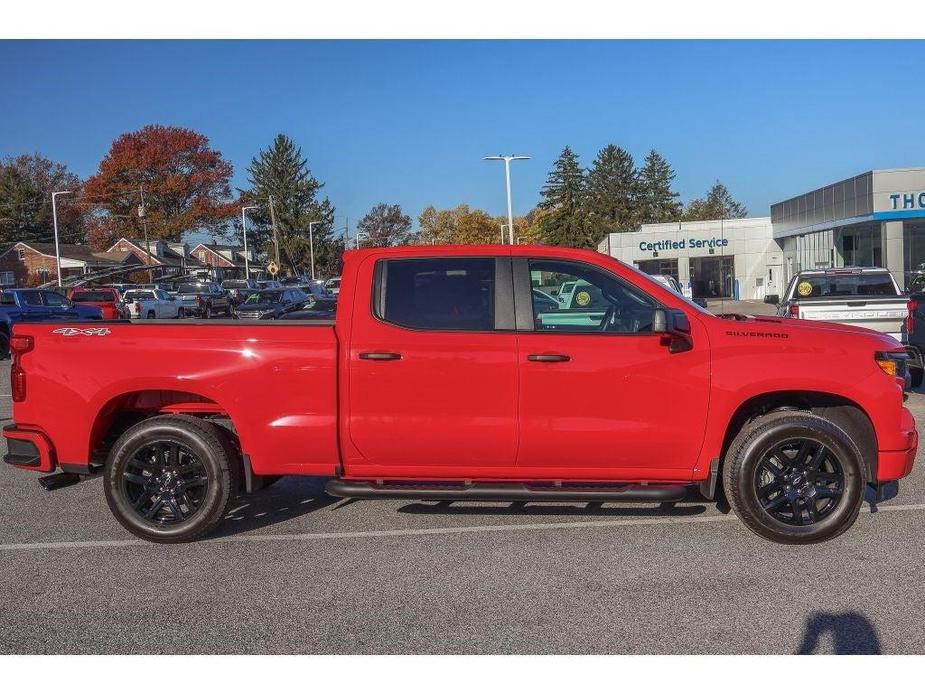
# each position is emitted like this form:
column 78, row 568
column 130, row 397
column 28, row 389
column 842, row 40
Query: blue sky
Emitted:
column 407, row 122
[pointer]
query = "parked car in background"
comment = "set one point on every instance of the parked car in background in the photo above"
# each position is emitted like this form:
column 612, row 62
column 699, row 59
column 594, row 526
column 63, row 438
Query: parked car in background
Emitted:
column 313, row 309
column 28, row 305
column 269, row 284
column 675, row 286
column 333, row 286
column 270, row 303
column 239, row 290
column 107, row 299
column 122, row 287
column 203, row 299
column 153, row 303
column 914, row 334
column 543, row 302
column 867, row 297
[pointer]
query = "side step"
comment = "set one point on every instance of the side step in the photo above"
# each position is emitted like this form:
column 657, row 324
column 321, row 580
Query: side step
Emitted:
column 491, row 491
column 59, row 479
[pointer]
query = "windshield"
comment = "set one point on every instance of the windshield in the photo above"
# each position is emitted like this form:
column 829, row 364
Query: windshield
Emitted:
column 835, row 284
column 96, row 297
column 234, row 284
column 333, row 284
column 192, row 288
column 264, row 298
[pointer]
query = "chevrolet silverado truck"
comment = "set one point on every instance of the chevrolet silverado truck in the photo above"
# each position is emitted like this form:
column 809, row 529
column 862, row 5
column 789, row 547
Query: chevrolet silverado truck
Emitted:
column 441, row 378
column 867, row 297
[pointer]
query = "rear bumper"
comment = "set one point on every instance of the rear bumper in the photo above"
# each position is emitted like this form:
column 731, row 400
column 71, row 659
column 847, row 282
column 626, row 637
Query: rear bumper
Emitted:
column 28, row 449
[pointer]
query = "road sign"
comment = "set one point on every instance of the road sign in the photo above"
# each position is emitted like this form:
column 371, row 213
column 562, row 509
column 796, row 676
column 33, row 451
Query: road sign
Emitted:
column 273, row 268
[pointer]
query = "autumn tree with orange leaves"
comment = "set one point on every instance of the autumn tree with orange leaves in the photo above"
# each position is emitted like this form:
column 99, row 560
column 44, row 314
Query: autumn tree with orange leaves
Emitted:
column 185, row 183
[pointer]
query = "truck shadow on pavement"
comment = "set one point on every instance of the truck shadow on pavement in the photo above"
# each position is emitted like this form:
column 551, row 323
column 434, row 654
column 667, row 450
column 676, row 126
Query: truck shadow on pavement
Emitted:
column 289, row 498
column 850, row 633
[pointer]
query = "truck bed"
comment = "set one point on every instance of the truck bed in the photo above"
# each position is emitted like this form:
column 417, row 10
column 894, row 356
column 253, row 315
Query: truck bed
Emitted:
column 214, row 367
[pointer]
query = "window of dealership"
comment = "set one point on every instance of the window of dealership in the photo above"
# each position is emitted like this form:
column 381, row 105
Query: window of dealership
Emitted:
column 873, row 219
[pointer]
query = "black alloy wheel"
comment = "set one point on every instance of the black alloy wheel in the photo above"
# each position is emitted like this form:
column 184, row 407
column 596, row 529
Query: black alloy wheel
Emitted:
column 799, row 482
column 170, row 478
column 794, row 477
column 164, row 482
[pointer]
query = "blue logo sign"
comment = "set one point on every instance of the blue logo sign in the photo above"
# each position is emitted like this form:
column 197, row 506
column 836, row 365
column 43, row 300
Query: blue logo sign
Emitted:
column 908, row 201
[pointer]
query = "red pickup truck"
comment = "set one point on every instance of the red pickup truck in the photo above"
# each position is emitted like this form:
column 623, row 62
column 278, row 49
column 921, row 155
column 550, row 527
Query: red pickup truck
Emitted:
column 461, row 372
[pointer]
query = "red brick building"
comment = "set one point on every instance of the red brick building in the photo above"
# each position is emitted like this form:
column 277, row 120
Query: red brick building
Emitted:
column 30, row 264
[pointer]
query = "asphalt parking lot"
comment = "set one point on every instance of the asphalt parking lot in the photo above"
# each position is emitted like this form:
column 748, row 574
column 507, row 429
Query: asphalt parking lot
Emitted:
column 294, row 571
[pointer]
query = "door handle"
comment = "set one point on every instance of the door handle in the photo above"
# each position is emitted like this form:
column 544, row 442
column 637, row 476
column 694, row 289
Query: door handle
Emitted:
column 380, row 356
column 548, row 357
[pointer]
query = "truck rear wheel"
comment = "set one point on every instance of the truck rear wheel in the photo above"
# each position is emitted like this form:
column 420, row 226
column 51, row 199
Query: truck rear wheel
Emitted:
column 170, row 478
column 794, row 478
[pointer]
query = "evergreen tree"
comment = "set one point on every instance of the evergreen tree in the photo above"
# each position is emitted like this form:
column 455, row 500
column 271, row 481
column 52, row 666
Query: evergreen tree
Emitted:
column 564, row 196
column 656, row 201
column 282, row 172
column 718, row 204
column 611, row 196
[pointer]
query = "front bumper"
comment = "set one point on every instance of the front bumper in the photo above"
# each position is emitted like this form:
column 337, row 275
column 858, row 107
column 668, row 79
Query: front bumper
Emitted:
column 896, row 464
column 28, row 449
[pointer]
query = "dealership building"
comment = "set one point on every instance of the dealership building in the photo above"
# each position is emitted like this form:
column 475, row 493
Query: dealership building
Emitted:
column 873, row 219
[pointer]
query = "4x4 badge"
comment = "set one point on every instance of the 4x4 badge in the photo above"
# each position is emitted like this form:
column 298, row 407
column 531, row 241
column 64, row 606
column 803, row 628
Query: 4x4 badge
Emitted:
column 81, row 331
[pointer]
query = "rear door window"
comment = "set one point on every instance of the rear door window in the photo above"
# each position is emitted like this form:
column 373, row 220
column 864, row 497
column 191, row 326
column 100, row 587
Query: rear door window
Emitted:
column 439, row 293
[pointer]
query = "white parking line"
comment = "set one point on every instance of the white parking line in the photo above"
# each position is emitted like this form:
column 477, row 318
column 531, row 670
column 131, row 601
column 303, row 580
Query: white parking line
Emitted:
column 412, row 532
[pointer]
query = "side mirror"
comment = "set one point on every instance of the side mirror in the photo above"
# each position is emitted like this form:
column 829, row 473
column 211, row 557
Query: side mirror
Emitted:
column 676, row 326
column 772, row 299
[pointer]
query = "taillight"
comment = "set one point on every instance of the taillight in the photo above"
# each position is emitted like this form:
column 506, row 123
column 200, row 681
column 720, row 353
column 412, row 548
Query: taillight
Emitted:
column 911, row 307
column 199, row 301
column 19, row 345
column 794, row 311
column 138, row 308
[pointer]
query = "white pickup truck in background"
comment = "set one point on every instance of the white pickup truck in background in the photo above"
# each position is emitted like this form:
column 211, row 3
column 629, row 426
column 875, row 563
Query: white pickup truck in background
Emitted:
column 867, row 297
column 152, row 303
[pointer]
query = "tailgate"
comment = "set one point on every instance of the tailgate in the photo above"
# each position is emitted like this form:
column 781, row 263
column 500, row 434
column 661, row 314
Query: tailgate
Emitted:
column 882, row 315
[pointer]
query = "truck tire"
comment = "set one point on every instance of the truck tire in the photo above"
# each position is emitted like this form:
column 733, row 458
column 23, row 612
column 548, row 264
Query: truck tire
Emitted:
column 151, row 315
column 207, row 311
column 4, row 345
column 795, row 478
column 915, row 376
column 170, row 478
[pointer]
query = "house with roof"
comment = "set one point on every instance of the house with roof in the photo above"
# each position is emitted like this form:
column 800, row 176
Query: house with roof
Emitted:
column 29, row 263
column 224, row 261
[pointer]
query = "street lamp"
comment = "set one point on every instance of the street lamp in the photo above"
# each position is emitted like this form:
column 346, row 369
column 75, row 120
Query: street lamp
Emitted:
column 54, row 215
column 502, row 233
column 247, row 267
column 507, row 159
column 311, row 247
column 357, row 237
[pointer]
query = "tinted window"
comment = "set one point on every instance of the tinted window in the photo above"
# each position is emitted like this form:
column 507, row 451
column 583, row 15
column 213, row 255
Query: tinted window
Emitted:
column 441, row 293
column 191, row 288
column 835, row 284
column 55, row 299
column 594, row 301
column 234, row 284
column 138, row 296
column 7, row 299
column 31, row 298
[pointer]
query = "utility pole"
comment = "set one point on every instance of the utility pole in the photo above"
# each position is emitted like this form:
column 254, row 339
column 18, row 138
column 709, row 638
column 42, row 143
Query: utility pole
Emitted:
column 273, row 224
column 247, row 267
column 144, row 223
column 54, row 214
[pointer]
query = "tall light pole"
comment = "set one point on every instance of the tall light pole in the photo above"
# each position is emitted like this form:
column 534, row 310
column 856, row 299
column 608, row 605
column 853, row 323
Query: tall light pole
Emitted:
column 502, row 233
column 54, row 216
column 247, row 267
column 311, row 247
column 507, row 159
column 357, row 237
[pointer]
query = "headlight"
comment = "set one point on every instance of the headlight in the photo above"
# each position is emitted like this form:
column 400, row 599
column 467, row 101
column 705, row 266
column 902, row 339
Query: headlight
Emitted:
column 894, row 364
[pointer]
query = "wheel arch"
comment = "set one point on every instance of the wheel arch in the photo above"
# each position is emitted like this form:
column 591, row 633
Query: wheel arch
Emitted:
column 125, row 409
column 838, row 409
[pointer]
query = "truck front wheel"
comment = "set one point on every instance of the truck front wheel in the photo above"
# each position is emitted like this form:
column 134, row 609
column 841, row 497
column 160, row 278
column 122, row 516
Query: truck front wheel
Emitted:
column 794, row 477
column 170, row 478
